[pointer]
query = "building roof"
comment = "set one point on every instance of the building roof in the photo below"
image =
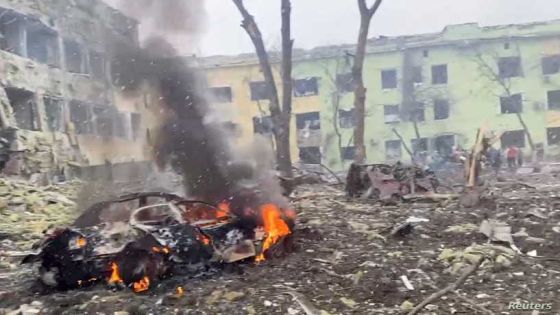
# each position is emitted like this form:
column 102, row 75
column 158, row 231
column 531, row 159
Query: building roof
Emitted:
column 451, row 34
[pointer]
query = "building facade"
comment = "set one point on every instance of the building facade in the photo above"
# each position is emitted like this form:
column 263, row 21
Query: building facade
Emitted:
column 425, row 92
column 60, row 107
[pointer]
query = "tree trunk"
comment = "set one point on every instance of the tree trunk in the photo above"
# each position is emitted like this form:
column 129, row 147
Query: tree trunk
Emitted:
column 358, row 80
column 283, row 150
column 280, row 120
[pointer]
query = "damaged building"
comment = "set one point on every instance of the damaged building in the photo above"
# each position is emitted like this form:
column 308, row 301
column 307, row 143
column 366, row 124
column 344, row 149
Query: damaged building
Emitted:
column 426, row 92
column 62, row 111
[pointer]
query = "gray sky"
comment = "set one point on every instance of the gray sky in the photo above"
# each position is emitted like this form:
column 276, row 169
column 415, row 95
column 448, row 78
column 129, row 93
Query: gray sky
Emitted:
column 326, row 22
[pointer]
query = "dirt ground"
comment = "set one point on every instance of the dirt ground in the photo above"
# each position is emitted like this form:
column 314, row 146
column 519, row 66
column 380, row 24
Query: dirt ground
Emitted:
column 346, row 262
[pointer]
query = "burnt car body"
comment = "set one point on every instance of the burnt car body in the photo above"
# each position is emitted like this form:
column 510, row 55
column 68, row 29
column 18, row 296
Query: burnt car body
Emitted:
column 163, row 233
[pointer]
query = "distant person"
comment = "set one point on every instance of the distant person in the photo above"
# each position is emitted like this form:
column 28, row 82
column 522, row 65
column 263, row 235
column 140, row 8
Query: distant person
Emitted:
column 512, row 155
column 494, row 157
column 520, row 158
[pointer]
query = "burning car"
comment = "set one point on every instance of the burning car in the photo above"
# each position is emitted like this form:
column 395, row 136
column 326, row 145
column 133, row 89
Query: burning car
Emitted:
column 160, row 235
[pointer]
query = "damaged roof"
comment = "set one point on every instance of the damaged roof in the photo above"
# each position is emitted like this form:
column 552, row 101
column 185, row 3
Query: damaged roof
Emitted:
column 451, row 34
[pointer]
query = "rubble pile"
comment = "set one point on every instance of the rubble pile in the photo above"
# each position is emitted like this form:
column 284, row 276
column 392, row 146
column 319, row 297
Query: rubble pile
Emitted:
column 363, row 257
column 27, row 210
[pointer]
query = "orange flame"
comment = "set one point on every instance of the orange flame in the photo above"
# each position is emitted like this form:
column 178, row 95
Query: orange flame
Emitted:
column 115, row 277
column 204, row 239
column 274, row 226
column 81, row 242
column 180, row 291
column 223, row 210
column 164, row 250
column 142, row 285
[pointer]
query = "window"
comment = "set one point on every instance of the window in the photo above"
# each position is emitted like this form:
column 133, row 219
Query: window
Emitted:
column 259, row 90
column 441, row 109
column 553, row 136
column 222, row 94
column 11, row 32
column 418, row 113
column 97, row 65
column 389, row 79
column 391, row 113
column 136, row 124
column 122, row 125
column 310, row 155
column 553, row 99
column 348, row 153
column 347, row 118
column 417, row 75
column 419, row 145
column 511, row 104
column 308, row 120
column 74, row 57
column 104, row 120
column 306, row 87
column 345, row 82
column 81, row 117
column 262, row 125
column 515, row 137
column 24, row 108
column 509, row 67
column 393, row 150
column 53, row 109
column 444, row 144
column 426, row 53
column 42, row 45
column 439, row 74
column 550, row 64
column 506, row 46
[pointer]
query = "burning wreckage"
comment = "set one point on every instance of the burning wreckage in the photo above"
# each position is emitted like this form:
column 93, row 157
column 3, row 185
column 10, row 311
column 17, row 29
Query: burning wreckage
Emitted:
column 164, row 235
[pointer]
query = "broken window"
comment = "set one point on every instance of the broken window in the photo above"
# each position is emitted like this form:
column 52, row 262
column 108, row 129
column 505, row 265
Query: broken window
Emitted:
column 81, row 117
column 553, row 99
column 74, row 57
column 308, row 120
column 509, row 67
column 511, row 104
column 441, row 109
column 221, row 94
column 105, row 120
column 391, row 113
column 53, row 109
column 24, row 108
column 514, row 137
column 122, row 127
column 42, row 44
column 439, row 74
column 136, row 124
column 310, row 155
column 418, row 113
column 417, row 75
column 393, row 150
column 444, row 144
column 550, row 64
column 97, row 65
column 12, row 31
column 426, row 53
column 348, row 153
column 345, row 82
column 419, row 145
column 306, row 87
column 347, row 118
column 262, row 125
column 259, row 90
column 389, row 79
column 553, row 136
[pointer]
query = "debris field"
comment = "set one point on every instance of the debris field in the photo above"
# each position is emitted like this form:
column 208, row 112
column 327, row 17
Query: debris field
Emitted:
column 351, row 256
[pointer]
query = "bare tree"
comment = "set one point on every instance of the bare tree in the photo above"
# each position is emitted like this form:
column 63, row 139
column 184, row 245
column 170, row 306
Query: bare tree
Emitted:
column 488, row 70
column 366, row 14
column 280, row 116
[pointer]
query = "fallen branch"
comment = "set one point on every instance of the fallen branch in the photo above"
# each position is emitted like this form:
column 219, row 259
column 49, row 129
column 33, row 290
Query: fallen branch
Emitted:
column 450, row 288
